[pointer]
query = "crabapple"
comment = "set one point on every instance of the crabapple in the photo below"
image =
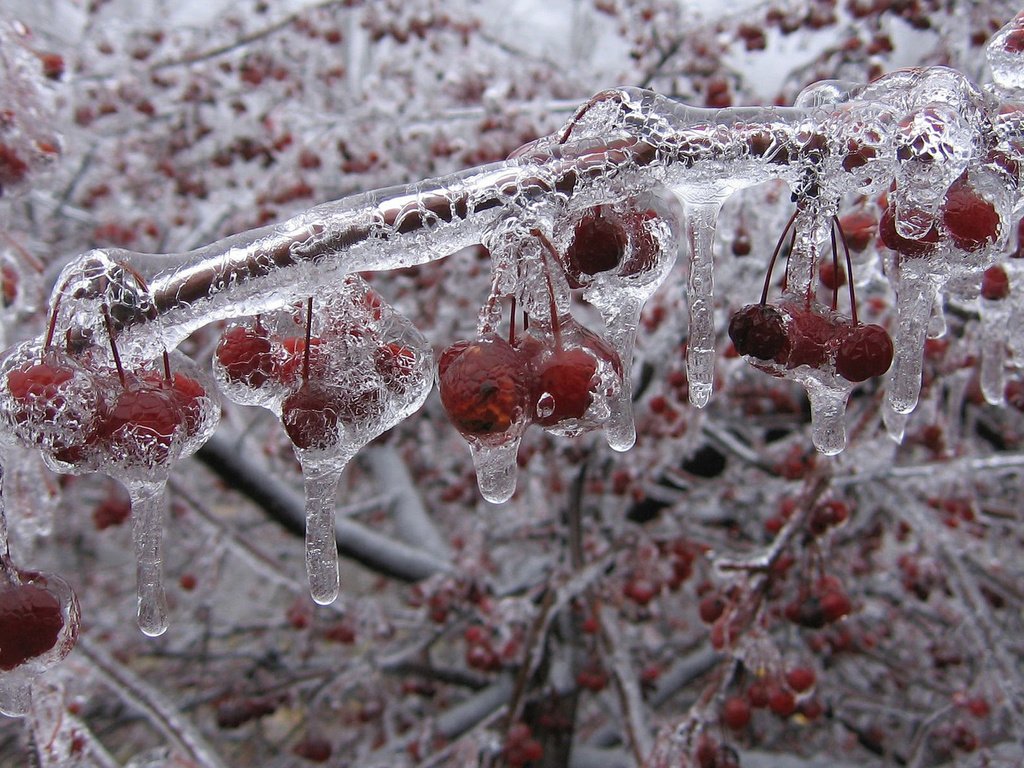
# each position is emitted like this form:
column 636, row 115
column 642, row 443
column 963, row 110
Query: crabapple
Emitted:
column 598, row 245
column 485, row 388
column 906, row 247
column 995, row 283
column 310, row 416
column 759, row 330
column 563, row 386
column 245, row 354
column 736, row 713
column 972, row 221
column 865, row 351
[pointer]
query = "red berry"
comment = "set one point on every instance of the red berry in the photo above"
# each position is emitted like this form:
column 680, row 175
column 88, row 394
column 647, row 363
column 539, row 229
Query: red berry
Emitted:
column 8, row 284
column 598, row 245
column 30, row 623
column 811, row 336
column 142, row 424
column 859, row 227
column 736, row 713
column 644, row 247
column 563, row 386
column 864, row 352
column 781, row 701
column 758, row 694
column 759, row 330
column 835, row 605
column 893, row 240
column 310, row 417
column 641, row 590
column 485, row 389
column 294, row 364
column 995, row 283
column 831, row 275
column 800, row 679
column 191, row 399
column 711, row 608
column 970, row 219
column 396, row 365
column 314, row 749
column 246, row 355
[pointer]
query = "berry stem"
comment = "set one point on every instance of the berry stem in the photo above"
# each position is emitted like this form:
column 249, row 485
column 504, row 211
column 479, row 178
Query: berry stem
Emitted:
column 309, row 338
column 556, row 328
column 512, row 323
column 167, row 367
column 775, row 256
column 849, row 271
column 835, row 267
column 113, row 344
column 593, row 102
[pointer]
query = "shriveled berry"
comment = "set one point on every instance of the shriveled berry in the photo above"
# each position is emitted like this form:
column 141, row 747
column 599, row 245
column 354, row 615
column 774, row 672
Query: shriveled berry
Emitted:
column 485, row 389
column 995, row 283
column 30, row 623
column 970, row 219
column 864, row 352
column 759, row 330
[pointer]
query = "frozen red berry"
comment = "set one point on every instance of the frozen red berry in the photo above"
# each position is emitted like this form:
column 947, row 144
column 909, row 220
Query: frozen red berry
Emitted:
column 801, row 679
column 859, row 228
column 811, row 338
column 911, row 249
column 142, row 424
column 246, row 356
column 485, row 388
column 30, row 623
column 736, row 713
column 598, row 245
column 310, row 417
column 759, row 330
column 970, row 219
column 865, row 351
column 563, row 386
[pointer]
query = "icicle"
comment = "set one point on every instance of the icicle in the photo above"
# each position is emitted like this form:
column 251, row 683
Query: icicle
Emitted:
column 700, row 350
column 895, row 423
column 148, row 502
column 496, row 469
column 321, row 544
column 995, row 320
column 915, row 299
column 621, row 323
column 828, row 395
column 937, row 321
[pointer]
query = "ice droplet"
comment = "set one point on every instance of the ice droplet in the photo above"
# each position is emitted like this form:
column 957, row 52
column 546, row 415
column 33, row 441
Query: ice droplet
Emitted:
column 828, row 395
column 915, row 297
column 496, row 469
column 15, row 694
column 545, row 405
column 895, row 423
column 321, row 544
column 621, row 323
column 700, row 349
column 148, row 503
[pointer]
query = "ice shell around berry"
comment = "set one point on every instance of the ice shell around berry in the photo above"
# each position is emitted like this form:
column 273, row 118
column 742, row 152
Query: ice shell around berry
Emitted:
column 47, row 400
column 39, row 623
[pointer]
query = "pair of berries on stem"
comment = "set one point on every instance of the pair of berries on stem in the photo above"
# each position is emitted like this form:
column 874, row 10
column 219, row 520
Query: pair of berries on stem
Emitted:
column 493, row 389
column 795, row 334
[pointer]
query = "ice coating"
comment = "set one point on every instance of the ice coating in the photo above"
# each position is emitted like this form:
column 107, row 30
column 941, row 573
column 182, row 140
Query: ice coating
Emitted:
column 700, row 350
column 148, row 508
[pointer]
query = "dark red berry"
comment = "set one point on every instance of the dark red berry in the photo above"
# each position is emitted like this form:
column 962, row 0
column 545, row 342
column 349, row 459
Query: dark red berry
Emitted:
column 859, row 227
column 781, row 701
column 759, row 330
column 396, row 365
column 970, row 219
column 310, row 417
column 711, row 608
column 758, row 693
column 831, row 275
column 736, row 713
column 811, row 338
column 314, row 749
column 190, row 396
column 598, row 245
column 30, row 622
column 835, row 605
column 864, row 352
column 801, row 679
column 246, row 355
column 995, row 283
column 485, row 389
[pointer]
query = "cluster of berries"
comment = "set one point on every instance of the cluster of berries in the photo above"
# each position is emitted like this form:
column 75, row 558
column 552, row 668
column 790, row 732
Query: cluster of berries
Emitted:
column 85, row 416
column 801, row 332
column 355, row 365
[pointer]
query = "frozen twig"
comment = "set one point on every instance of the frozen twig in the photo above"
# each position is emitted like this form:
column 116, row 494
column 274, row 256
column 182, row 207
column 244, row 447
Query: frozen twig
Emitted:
column 178, row 730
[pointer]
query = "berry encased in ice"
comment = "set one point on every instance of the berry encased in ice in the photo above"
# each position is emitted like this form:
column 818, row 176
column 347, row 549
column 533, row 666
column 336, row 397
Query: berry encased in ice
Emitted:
column 864, row 352
column 759, row 330
column 485, row 389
